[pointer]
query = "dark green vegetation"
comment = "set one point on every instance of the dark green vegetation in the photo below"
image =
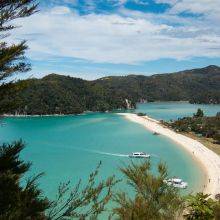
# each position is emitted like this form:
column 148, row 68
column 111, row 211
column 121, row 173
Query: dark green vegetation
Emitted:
column 141, row 114
column 153, row 199
column 55, row 94
column 26, row 201
column 12, row 58
column 60, row 94
column 201, row 207
column 202, row 125
column 18, row 202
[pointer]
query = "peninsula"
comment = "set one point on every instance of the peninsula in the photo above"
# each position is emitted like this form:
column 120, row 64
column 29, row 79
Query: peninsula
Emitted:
column 209, row 161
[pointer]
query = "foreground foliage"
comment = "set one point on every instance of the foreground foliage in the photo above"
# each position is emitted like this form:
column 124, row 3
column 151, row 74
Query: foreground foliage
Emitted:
column 12, row 58
column 153, row 198
column 16, row 201
column 200, row 206
column 19, row 200
column 150, row 197
column 81, row 203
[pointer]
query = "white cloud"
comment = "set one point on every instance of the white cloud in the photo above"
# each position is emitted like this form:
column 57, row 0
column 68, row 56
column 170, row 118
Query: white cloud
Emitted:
column 206, row 7
column 209, row 8
column 170, row 2
column 129, row 37
column 60, row 10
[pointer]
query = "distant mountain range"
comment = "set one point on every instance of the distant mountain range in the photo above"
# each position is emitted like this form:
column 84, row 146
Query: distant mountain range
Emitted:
column 55, row 94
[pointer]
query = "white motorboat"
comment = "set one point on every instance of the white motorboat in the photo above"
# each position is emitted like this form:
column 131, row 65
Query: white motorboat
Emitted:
column 139, row 155
column 177, row 183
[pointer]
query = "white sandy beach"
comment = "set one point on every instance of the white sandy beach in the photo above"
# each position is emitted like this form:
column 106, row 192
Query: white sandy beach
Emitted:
column 209, row 160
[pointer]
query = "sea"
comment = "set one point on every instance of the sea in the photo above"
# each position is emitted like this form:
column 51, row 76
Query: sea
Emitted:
column 69, row 148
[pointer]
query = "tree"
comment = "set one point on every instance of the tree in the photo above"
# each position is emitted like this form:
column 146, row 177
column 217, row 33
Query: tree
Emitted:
column 216, row 137
column 153, row 198
column 141, row 114
column 199, row 113
column 217, row 210
column 27, row 201
column 17, row 202
column 12, row 58
column 199, row 207
column 82, row 203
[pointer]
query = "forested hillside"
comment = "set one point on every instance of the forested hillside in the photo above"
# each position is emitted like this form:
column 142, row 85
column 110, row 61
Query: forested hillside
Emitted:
column 55, row 94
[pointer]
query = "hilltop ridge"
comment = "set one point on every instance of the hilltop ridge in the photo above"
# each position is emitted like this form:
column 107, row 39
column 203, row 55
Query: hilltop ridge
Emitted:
column 55, row 94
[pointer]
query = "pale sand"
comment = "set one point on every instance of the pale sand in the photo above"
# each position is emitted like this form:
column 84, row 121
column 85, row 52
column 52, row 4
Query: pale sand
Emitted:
column 207, row 158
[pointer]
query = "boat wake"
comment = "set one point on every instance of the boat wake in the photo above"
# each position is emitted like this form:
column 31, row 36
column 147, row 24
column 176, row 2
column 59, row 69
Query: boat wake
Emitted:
column 154, row 155
column 101, row 152
column 119, row 155
column 110, row 154
column 116, row 154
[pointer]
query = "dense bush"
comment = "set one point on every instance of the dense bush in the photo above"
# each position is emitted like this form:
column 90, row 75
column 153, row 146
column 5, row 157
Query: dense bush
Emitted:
column 141, row 114
column 206, row 126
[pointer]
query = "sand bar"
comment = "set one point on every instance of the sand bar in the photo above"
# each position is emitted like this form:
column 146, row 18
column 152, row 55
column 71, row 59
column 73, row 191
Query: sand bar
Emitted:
column 209, row 160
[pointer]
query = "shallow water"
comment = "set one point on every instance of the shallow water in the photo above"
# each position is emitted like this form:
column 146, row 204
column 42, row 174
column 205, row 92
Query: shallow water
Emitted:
column 70, row 147
column 174, row 110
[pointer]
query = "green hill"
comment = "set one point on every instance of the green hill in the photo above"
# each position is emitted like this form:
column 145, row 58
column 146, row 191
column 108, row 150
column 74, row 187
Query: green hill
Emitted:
column 63, row 94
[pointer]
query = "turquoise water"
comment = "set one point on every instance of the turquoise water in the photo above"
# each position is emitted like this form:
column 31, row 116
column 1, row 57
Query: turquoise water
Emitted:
column 70, row 147
column 174, row 110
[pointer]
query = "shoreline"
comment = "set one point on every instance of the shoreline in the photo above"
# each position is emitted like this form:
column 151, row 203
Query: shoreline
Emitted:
column 205, row 141
column 207, row 159
column 48, row 115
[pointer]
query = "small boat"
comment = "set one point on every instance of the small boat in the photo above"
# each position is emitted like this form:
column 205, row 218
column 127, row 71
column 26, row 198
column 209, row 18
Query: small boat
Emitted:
column 156, row 133
column 177, row 183
column 139, row 155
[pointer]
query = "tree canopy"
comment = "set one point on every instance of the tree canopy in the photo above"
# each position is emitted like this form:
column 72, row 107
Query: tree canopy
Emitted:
column 17, row 202
column 26, row 201
column 199, row 113
column 56, row 94
column 153, row 198
column 207, row 126
column 12, row 59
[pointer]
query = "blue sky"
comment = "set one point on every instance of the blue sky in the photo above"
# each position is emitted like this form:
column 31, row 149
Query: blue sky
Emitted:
column 92, row 39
